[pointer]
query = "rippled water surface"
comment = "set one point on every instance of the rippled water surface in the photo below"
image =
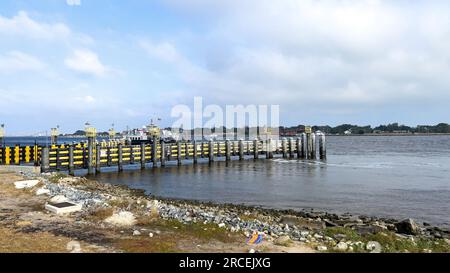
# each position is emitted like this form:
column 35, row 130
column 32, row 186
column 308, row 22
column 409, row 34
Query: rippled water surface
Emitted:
column 393, row 176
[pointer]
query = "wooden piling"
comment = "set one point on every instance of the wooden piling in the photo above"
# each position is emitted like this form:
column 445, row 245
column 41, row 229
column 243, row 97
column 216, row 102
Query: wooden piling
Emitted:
column 163, row 154
column 211, row 151
column 304, row 145
column 98, row 154
column 45, row 160
column 241, row 149
column 142, row 156
column 195, row 152
column 155, row 153
column 227, row 150
column 119, row 157
column 313, row 146
column 270, row 148
column 255, row 149
column 298, row 144
column 322, row 146
column 179, row 153
column 291, row 147
column 284, row 147
column 71, row 164
column 90, row 155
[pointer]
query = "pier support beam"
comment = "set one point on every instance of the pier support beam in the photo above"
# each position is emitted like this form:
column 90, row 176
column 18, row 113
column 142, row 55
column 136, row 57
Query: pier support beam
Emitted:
column 284, row 147
column 299, row 147
column 119, row 157
column 178, row 153
column 98, row 154
column 211, row 151
column 305, row 142
column 255, row 149
column 241, row 149
column 270, row 148
column 291, row 147
column 142, row 155
column 313, row 147
column 163, row 154
column 45, row 160
column 227, row 150
column 90, row 155
column 195, row 153
column 322, row 146
column 155, row 153
column 71, row 161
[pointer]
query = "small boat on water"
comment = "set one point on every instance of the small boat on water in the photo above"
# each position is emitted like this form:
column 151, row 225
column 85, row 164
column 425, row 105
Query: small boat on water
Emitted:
column 149, row 134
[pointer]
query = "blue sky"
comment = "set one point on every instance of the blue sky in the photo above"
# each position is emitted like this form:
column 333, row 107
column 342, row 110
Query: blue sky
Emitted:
column 324, row 62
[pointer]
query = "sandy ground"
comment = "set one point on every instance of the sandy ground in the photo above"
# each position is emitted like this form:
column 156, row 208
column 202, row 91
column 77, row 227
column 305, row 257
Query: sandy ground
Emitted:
column 25, row 226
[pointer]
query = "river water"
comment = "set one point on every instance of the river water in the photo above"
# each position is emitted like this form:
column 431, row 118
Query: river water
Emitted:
column 386, row 176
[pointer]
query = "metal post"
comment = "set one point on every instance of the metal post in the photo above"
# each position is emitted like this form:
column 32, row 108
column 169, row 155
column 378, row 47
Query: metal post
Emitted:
column 211, row 151
column 313, row 146
column 98, row 153
column 90, row 157
column 195, row 152
column 241, row 149
column 71, row 164
column 322, row 146
column 291, row 147
column 163, row 154
column 119, row 157
column 299, row 147
column 304, row 145
column 142, row 155
column 270, row 148
column 255, row 149
column 45, row 162
column 227, row 150
column 284, row 147
column 179, row 153
column 155, row 153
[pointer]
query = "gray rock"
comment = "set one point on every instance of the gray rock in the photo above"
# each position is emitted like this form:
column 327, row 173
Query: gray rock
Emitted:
column 342, row 246
column 407, row 226
column 374, row 247
column 322, row 248
column 136, row 233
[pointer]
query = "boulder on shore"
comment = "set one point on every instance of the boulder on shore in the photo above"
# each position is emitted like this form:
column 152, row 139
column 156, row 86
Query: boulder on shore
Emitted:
column 407, row 226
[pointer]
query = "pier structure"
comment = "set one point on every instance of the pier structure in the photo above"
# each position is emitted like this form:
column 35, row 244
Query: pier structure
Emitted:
column 93, row 155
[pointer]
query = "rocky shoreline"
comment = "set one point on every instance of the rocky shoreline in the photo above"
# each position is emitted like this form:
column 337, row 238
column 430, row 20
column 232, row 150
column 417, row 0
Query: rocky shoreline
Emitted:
column 320, row 230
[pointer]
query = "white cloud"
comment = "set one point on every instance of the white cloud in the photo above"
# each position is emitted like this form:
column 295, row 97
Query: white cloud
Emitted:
column 336, row 55
column 14, row 61
column 86, row 61
column 73, row 2
column 22, row 25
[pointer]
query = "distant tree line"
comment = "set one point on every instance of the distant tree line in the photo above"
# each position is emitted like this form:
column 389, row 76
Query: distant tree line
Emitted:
column 441, row 128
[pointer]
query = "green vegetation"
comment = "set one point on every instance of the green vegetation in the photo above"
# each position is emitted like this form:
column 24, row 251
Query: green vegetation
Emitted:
column 441, row 128
column 390, row 241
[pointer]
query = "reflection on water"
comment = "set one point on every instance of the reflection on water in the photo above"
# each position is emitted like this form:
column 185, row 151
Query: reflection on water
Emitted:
column 403, row 176
column 383, row 176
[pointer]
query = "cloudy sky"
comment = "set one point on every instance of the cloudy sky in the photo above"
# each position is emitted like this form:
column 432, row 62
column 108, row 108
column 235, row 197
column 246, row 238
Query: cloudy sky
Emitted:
column 324, row 62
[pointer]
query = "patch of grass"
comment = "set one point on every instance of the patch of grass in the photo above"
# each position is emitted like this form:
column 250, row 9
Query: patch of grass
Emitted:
column 145, row 220
column 203, row 232
column 349, row 233
column 101, row 214
column 56, row 177
column 390, row 242
column 120, row 203
column 147, row 245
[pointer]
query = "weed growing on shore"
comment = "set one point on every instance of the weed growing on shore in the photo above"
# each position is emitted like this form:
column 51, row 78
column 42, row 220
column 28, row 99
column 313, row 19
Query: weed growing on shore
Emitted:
column 389, row 241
